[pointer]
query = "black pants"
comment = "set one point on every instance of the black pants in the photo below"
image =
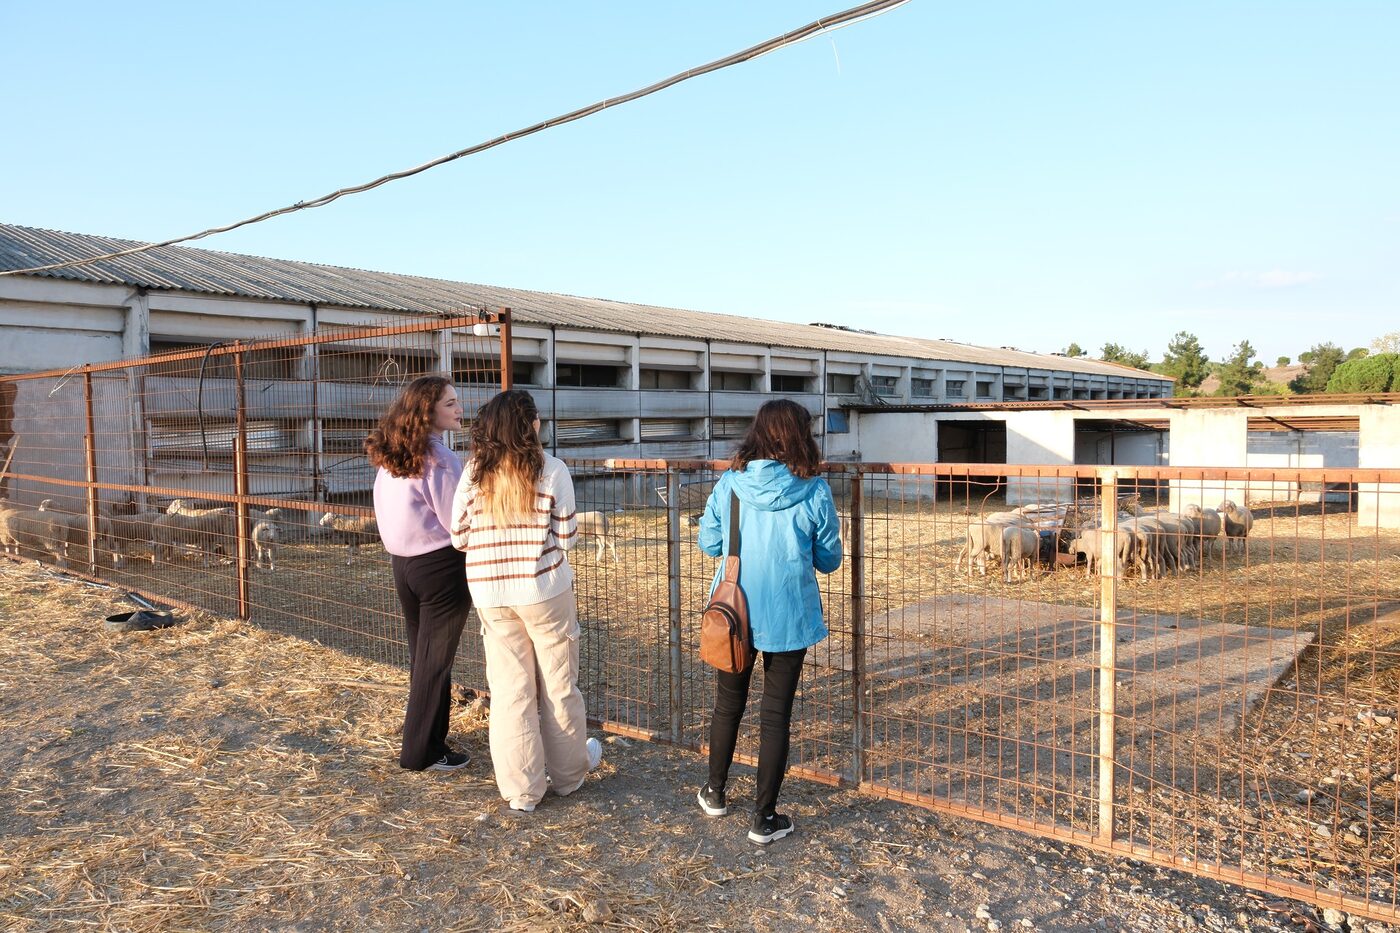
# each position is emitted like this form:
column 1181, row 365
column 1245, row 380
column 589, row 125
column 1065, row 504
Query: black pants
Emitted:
column 781, row 672
column 432, row 589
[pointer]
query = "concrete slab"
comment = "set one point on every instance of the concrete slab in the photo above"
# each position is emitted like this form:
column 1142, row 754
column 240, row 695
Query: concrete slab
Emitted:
column 972, row 690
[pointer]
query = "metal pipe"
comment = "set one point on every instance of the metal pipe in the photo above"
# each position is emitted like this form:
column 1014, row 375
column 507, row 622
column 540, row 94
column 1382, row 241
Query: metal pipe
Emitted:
column 1108, row 649
column 90, row 469
column 240, row 488
column 673, row 575
column 857, row 559
column 507, row 352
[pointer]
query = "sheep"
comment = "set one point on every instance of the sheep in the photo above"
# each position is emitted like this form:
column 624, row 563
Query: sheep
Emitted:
column 1089, row 542
column 984, row 539
column 207, row 533
column 8, row 543
column 1237, row 521
column 350, row 530
column 266, row 538
column 56, row 533
column 71, row 533
column 1210, row 526
column 178, row 507
column 597, row 525
column 1020, row 550
column 137, row 528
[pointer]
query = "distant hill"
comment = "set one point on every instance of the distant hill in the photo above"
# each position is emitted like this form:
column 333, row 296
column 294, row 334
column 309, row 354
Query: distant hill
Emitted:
column 1281, row 374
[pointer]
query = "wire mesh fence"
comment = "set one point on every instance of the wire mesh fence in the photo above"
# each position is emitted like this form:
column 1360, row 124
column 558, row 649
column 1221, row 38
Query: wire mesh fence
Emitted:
column 1194, row 667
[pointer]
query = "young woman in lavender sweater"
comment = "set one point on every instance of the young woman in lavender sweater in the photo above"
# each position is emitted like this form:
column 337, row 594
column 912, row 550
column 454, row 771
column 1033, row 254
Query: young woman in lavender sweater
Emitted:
column 413, row 492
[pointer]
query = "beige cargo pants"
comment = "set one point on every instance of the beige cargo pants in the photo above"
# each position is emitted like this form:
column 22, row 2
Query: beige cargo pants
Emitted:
column 538, row 721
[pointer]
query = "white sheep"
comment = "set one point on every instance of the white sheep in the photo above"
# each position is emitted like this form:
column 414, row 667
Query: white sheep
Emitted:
column 207, row 533
column 984, row 536
column 130, row 530
column 1210, row 525
column 597, row 525
column 1020, row 551
column 350, row 530
column 1238, row 521
column 266, row 538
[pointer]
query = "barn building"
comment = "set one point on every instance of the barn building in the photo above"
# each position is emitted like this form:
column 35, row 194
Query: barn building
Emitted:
column 618, row 379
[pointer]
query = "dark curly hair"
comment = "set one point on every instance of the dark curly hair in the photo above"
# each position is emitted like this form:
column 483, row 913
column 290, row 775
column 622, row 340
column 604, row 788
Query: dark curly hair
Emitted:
column 400, row 441
column 507, row 459
column 782, row 431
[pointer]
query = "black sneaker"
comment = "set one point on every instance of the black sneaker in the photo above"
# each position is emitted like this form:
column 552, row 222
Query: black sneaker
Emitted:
column 768, row 827
column 452, row 761
column 712, row 801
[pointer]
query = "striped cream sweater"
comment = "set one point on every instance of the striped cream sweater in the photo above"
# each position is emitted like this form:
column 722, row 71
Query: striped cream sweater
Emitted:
column 524, row 562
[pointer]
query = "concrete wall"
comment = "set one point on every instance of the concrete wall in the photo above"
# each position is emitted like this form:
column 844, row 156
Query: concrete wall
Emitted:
column 1209, row 438
column 1039, row 438
column 897, row 437
column 1302, row 450
column 1378, row 504
column 1138, row 448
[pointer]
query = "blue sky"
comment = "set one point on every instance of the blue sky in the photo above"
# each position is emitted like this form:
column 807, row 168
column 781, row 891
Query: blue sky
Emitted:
column 1021, row 173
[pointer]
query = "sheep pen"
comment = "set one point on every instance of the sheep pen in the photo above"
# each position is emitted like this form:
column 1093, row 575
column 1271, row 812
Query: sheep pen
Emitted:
column 1303, row 570
column 219, row 776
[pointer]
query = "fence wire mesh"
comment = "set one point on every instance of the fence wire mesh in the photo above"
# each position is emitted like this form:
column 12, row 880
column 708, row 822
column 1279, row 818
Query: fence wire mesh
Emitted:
column 1195, row 667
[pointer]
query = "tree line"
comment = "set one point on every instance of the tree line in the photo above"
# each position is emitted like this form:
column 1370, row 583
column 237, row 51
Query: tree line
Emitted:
column 1326, row 367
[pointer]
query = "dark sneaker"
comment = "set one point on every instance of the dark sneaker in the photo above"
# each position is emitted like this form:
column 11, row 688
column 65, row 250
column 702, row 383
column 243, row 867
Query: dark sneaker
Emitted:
column 452, row 761
column 767, row 828
column 712, row 801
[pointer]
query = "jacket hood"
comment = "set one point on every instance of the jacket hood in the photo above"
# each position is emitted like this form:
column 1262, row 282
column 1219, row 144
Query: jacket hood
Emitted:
column 770, row 486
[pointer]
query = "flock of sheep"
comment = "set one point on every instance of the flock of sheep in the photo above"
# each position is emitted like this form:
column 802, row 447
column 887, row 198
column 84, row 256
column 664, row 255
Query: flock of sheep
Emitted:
column 164, row 535
column 1148, row 543
column 204, row 534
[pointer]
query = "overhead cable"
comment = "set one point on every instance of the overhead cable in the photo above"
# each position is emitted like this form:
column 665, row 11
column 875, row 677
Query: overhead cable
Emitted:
column 817, row 27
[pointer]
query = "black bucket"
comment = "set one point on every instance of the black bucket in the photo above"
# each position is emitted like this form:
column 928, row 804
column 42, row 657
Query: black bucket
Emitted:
column 142, row 620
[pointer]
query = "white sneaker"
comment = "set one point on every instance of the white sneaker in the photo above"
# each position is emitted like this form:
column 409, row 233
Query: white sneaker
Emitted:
column 522, row 807
column 595, row 753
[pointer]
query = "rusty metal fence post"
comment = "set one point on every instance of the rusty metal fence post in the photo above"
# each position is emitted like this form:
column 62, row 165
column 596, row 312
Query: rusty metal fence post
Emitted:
column 857, row 558
column 673, row 598
column 240, row 481
column 508, row 352
column 90, row 469
column 1108, row 648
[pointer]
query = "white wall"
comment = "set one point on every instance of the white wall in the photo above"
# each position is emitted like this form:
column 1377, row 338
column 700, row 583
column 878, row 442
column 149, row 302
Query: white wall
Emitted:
column 896, row 437
column 1301, row 450
column 1378, row 504
column 1208, row 438
column 1039, row 438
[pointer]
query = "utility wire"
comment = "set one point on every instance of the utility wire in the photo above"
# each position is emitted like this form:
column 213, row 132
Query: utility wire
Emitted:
column 825, row 24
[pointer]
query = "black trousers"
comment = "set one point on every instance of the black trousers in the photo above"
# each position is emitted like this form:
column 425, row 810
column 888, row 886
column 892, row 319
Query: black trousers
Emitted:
column 432, row 590
column 781, row 672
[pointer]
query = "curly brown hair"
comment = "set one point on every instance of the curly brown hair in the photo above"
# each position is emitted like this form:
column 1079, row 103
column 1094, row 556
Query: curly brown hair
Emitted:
column 782, row 431
column 399, row 443
column 507, row 459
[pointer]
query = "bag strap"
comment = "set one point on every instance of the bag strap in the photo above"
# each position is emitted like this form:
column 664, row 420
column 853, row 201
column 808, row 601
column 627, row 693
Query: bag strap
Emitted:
column 731, row 560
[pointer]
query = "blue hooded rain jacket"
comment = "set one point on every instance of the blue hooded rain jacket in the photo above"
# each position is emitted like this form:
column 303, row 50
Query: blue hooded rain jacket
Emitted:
column 788, row 529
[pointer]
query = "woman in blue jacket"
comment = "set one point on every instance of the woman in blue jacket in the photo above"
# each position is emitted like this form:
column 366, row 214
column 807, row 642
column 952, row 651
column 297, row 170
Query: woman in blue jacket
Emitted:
column 788, row 530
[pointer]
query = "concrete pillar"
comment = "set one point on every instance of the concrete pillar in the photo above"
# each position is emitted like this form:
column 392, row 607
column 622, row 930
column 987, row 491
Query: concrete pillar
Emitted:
column 1208, row 438
column 1036, row 438
column 136, row 330
column 1378, row 504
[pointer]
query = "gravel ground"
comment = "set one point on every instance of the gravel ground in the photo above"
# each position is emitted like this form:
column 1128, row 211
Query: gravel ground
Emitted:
column 218, row 776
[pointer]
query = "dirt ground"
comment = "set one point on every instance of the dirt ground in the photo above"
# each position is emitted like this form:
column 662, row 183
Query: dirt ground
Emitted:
column 221, row 776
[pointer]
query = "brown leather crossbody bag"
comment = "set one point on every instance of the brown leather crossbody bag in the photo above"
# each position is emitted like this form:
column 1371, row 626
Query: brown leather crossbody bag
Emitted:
column 726, row 643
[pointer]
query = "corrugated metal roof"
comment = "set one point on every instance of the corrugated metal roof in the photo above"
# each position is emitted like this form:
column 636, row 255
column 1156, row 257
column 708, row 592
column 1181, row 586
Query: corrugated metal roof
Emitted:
column 179, row 268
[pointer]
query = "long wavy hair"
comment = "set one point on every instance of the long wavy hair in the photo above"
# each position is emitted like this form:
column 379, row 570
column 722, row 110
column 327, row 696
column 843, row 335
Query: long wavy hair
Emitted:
column 507, row 458
column 782, row 431
column 399, row 443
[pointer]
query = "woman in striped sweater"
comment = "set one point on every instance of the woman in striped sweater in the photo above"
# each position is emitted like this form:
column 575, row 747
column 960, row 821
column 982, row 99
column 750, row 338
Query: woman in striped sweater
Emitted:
column 514, row 517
